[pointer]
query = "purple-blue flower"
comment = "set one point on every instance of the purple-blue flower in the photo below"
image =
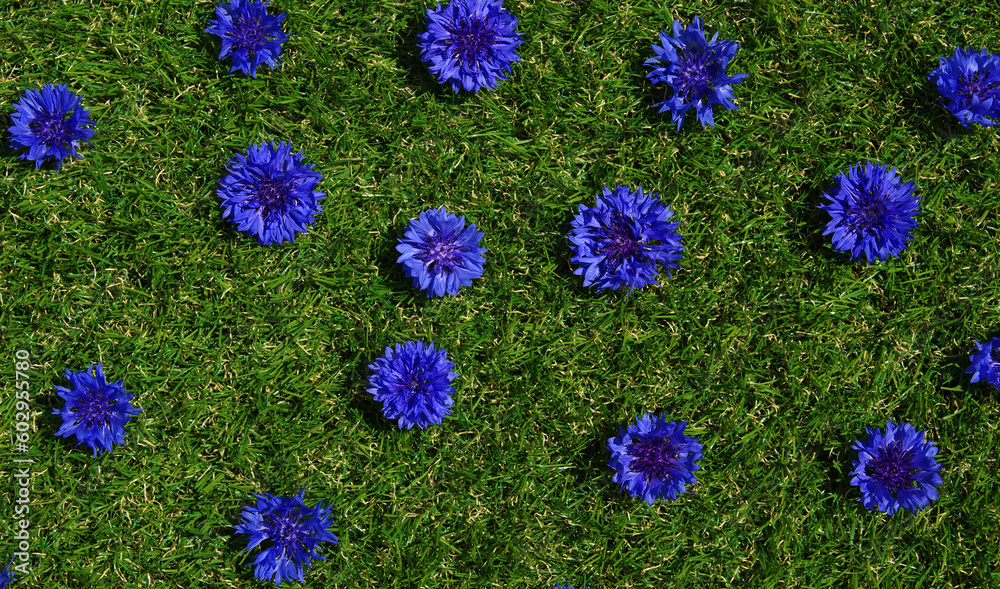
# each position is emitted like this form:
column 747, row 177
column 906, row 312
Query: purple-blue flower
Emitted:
column 7, row 577
column 251, row 35
column 896, row 469
column 440, row 254
column 470, row 43
column 654, row 459
column 619, row 241
column 695, row 69
column 291, row 531
column 413, row 383
column 986, row 362
column 872, row 212
column 49, row 122
column 969, row 85
column 96, row 411
column 270, row 193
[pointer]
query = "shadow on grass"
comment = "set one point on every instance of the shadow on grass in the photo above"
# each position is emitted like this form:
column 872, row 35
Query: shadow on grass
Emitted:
column 386, row 255
column 934, row 122
column 835, row 462
column 806, row 214
column 363, row 404
column 416, row 72
column 10, row 154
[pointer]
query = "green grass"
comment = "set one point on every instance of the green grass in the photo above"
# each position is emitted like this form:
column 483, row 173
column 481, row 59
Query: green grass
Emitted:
column 251, row 362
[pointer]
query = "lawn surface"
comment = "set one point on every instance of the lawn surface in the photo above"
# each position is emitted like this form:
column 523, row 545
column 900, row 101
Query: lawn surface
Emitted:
column 251, row 362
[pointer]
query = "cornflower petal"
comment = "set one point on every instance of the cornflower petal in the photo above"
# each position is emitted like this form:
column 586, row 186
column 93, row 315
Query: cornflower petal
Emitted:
column 270, row 193
column 695, row 69
column 872, row 212
column 413, row 383
column 470, row 44
column 896, row 469
column 654, row 459
column 7, row 577
column 621, row 240
column 49, row 123
column 969, row 85
column 292, row 532
column 440, row 254
column 96, row 411
column 249, row 34
column 986, row 363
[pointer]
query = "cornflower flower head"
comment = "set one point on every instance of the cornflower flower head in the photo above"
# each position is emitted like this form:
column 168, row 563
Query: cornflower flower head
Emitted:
column 872, row 212
column 413, row 383
column 896, row 469
column 249, row 34
column 49, row 123
column 292, row 531
column 270, row 193
column 695, row 69
column 7, row 577
column 654, row 459
column 986, row 362
column 470, row 43
column 440, row 254
column 619, row 241
column 969, row 85
column 96, row 411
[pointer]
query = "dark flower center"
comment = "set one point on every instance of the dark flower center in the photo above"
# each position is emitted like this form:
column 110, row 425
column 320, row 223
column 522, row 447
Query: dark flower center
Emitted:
column 653, row 456
column 893, row 467
column 413, row 380
column 474, row 38
column 52, row 128
column 94, row 408
column 288, row 531
column 271, row 195
column 694, row 74
column 250, row 33
column 974, row 86
column 869, row 211
column 442, row 251
column 995, row 361
column 621, row 242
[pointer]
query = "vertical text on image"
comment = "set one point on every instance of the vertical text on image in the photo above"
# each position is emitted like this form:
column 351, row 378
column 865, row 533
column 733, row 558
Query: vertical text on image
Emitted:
column 22, row 466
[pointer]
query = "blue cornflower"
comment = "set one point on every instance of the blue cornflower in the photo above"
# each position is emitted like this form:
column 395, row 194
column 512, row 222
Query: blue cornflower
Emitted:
column 969, row 84
column 292, row 530
column 986, row 362
column 654, row 459
column 270, row 193
column 872, row 212
column 470, row 43
column 619, row 241
column 49, row 123
column 7, row 577
column 96, row 411
column 251, row 35
column 896, row 469
column 439, row 253
column 695, row 69
column 413, row 382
